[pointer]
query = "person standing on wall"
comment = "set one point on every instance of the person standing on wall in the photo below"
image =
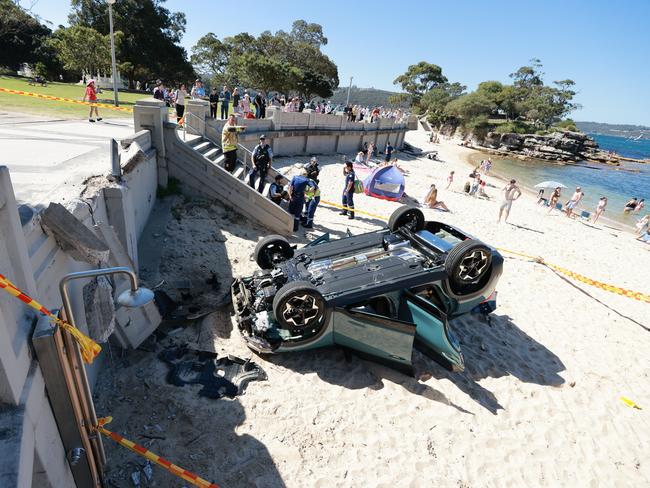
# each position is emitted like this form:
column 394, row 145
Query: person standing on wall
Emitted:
column 348, row 190
column 262, row 160
column 214, row 101
column 389, row 151
column 297, row 187
column 229, row 141
column 225, row 101
column 181, row 93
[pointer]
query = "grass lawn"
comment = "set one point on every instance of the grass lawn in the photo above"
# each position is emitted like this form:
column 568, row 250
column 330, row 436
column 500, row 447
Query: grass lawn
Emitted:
column 65, row 110
column 25, row 104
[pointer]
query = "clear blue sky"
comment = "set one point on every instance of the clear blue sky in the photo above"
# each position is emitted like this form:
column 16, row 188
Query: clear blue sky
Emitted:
column 602, row 45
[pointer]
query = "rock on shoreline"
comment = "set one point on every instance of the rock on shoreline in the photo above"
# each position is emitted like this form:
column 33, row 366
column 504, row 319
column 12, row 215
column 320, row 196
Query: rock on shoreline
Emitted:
column 564, row 146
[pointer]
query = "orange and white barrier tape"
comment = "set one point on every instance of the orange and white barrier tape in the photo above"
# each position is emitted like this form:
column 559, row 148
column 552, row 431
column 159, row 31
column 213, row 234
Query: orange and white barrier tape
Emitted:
column 144, row 452
column 66, row 100
column 89, row 348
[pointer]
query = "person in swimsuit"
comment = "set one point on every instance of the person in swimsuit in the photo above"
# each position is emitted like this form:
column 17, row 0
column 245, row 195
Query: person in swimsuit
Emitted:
column 574, row 201
column 554, row 198
column 431, row 200
column 602, row 203
column 510, row 193
column 631, row 205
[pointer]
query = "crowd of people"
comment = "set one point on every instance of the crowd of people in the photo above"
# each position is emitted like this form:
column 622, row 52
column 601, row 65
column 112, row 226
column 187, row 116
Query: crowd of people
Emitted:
column 245, row 104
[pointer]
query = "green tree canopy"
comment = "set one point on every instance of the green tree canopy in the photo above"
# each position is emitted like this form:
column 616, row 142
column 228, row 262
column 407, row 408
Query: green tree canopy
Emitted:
column 420, row 78
column 289, row 62
column 21, row 36
column 82, row 49
column 150, row 47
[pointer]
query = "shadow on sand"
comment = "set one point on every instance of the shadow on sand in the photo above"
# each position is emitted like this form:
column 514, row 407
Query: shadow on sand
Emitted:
column 492, row 349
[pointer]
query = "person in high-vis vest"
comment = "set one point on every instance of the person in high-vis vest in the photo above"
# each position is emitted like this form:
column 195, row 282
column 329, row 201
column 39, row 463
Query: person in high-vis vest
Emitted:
column 312, row 199
column 229, row 140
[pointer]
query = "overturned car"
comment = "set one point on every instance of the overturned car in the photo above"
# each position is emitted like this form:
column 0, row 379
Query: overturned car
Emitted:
column 380, row 294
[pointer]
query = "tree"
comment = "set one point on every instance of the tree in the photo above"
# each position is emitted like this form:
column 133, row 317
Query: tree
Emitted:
column 419, row 79
column 435, row 101
column 470, row 106
column 21, row 36
column 82, row 49
column 151, row 36
column 528, row 77
column 289, row 62
column 210, row 56
column 311, row 34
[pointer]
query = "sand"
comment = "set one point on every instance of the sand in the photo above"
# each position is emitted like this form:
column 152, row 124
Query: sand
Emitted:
column 538, row 405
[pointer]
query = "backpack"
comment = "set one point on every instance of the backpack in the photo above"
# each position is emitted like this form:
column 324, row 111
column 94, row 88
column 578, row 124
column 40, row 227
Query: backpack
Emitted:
column 358, row 186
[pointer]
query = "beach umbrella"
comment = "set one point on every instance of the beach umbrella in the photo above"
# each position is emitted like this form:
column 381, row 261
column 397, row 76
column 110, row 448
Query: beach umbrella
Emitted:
column 549, row 184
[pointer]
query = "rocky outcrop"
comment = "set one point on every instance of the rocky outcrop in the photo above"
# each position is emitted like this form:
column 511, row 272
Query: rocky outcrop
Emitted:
column 559, row 146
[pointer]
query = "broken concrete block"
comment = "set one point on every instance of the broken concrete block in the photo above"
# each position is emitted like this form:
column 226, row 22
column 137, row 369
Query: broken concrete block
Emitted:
column 130, row 158
column 100, row 311
column 72, row 236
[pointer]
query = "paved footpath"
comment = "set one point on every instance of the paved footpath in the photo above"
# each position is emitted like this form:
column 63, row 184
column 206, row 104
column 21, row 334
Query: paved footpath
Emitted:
column 49, row 159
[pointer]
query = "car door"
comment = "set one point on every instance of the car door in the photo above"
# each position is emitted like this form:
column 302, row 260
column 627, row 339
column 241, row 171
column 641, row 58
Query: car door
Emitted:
column 375, row 336
column 433, row 337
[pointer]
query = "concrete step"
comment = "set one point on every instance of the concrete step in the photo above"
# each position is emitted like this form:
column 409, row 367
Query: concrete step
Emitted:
column 203, row 146
column 192, row 139
column 239, row 171
column 213, row 153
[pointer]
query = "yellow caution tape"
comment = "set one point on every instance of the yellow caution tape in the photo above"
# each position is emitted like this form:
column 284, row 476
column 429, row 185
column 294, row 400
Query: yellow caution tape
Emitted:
column 351, row 209
column 89, row 348
column 636, row 295
column 630, row 403
column 66, row 100
column 144, row 452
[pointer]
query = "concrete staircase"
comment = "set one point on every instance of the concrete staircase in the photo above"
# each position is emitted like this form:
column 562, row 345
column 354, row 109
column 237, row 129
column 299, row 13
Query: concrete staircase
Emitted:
column 212, row 152
column 199, row 164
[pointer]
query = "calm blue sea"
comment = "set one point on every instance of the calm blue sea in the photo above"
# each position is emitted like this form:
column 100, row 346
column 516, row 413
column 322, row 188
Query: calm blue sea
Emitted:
column 618, row 184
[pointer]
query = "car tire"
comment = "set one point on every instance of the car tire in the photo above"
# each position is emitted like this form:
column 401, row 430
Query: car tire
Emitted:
column 299, row 306
column 406, row 216
column 272, row 250
column 468, row 267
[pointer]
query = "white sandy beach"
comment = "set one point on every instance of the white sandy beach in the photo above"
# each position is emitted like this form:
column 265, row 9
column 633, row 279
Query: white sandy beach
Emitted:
column 538, row 405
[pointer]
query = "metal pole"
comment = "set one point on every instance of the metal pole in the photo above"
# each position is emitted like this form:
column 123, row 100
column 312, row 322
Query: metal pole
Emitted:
column 347, row 102
column 116, row 169
column 114, row 68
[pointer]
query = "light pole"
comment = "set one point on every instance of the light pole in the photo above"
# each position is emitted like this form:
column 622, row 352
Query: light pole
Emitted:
column 347, row 101
column 114, row 67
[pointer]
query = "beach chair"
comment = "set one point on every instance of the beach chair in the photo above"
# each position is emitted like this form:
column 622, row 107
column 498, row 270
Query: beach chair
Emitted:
column 585, row 215
column 558, row 206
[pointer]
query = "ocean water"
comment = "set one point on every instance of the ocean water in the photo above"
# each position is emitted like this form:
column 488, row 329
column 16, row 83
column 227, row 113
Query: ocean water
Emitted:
column 618, row 184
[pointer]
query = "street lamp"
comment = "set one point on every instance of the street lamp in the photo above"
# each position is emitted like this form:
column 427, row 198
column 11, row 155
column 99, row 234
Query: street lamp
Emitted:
column 347, row 102
column 114, row 67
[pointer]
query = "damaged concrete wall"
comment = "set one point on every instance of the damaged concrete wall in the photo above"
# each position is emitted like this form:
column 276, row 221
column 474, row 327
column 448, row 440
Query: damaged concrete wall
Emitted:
column 29, row 435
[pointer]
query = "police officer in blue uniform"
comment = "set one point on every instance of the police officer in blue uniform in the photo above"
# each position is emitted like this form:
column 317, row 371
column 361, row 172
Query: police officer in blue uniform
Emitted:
column 297, row 196
column 262, row 160
column 348, row 190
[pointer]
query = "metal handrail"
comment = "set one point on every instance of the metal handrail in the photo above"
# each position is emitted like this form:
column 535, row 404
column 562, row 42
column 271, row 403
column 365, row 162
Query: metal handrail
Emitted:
column 187, row 115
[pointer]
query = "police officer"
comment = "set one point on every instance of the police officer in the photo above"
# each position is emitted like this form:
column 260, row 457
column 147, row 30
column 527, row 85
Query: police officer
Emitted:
column 297, row 187
column 262, row 160
column 312, row 199
column 348, row 189
column 277, row 192
column 312, row 169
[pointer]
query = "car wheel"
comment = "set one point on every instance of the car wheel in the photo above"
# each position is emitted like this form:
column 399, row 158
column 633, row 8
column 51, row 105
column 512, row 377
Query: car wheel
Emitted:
column 299, row 306
column 272, row 250
column 406, row 216
column 468, row 266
